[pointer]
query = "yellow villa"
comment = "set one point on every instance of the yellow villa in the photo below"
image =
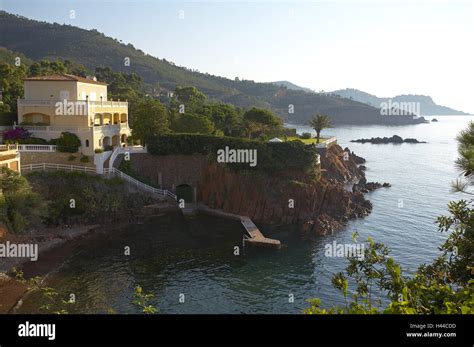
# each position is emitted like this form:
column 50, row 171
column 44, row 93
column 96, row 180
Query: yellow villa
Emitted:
column 68, row 103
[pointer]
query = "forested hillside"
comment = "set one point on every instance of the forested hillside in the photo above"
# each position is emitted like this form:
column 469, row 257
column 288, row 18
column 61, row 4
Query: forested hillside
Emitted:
column 44, row 41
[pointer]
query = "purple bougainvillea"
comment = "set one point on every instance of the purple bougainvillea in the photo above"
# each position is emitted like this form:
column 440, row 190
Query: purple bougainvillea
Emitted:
column 16, row 134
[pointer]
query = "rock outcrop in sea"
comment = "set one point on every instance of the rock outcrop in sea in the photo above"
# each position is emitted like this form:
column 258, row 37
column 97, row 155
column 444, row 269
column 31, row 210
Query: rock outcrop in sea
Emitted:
column 386, row 140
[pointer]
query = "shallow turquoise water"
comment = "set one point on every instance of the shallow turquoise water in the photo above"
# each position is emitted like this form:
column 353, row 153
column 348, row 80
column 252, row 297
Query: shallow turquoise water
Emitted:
column 174, row 256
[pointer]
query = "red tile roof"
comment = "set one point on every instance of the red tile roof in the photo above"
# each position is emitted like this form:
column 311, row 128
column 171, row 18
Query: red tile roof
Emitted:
column 64, row 77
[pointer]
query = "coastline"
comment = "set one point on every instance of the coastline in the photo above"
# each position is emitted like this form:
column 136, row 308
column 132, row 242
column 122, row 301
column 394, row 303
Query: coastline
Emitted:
column 54, row 246
column 51, row 239
column 322, row 199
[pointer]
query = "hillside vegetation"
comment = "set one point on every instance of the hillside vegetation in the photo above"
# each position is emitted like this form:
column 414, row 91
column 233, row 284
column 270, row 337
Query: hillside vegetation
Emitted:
column 45, row 41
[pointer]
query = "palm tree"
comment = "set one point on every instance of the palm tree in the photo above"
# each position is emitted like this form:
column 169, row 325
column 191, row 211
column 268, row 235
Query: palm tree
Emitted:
column 318, row 123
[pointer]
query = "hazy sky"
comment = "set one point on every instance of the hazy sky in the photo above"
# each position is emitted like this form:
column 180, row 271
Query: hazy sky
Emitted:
column 382, row 47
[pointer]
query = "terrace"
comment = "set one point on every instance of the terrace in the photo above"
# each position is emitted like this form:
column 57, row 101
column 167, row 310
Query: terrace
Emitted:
column 324, row 142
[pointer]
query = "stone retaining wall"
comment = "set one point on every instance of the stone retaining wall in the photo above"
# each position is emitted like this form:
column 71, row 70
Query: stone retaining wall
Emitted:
column 174, row 169
column 54, row 158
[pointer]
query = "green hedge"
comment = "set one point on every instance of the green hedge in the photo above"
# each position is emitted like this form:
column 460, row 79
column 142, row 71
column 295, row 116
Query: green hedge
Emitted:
column 271, row 156
column 281, row 133
column 67, row 142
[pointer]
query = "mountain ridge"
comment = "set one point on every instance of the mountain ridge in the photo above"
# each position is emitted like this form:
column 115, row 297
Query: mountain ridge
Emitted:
column 427, row 105
column 292, row 86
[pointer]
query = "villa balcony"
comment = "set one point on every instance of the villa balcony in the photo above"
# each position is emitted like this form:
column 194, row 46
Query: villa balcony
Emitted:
column 9, row 151
column 37, row 129
column 111, row 129
column 48, row 108
column 90, row 104
column 108, row 128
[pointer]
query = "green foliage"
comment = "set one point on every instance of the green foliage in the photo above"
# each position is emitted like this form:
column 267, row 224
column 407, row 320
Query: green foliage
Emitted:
column 33, row 141
column 68, row 142
column 121, row 85
column 52, row 303
column 306, row 135
column 96, row 200
column 419, row 294
column 150, row 119
column 142, row 300
column 6, row 117
column 20, row 207
column 85, row 159
column 191, row 112
column 272, row 157
column 226, row 118
column 193, row 124
column 456, row 264
column 11, row 84
column 44, row 67
column 191, row 97
column 259, row 120
column 465, row 162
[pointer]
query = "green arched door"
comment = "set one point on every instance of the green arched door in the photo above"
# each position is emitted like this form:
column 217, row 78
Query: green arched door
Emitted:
column 184, row 191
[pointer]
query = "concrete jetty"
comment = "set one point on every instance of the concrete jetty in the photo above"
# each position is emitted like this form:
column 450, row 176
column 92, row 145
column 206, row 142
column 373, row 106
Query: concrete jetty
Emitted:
column 254, row 236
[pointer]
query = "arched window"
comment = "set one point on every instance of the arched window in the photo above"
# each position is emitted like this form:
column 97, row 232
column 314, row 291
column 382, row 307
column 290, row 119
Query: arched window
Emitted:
column 87, row 143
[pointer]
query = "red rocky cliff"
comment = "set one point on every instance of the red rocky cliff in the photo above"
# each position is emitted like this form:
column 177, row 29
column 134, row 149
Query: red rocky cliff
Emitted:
column 319, row 207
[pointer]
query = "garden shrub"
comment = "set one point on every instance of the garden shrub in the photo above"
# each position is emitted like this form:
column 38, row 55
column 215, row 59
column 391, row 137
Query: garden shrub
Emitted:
column 68, row 142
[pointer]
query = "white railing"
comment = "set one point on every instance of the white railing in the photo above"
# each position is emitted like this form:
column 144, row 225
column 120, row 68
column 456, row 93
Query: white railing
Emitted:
column 112, row 158
column 106, row 127
column 48, row 128
column 134, row 149
column 123, row 150
column 29, row 148
column 109, row 103
column 23, row 102
column 145, row 187
column 327, row 143
column 37, row 148
column 8, row 147
column 46, row 166
column 52, row 103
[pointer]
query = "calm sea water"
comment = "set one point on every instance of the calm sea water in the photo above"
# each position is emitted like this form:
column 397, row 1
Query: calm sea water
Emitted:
column 173, row 256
